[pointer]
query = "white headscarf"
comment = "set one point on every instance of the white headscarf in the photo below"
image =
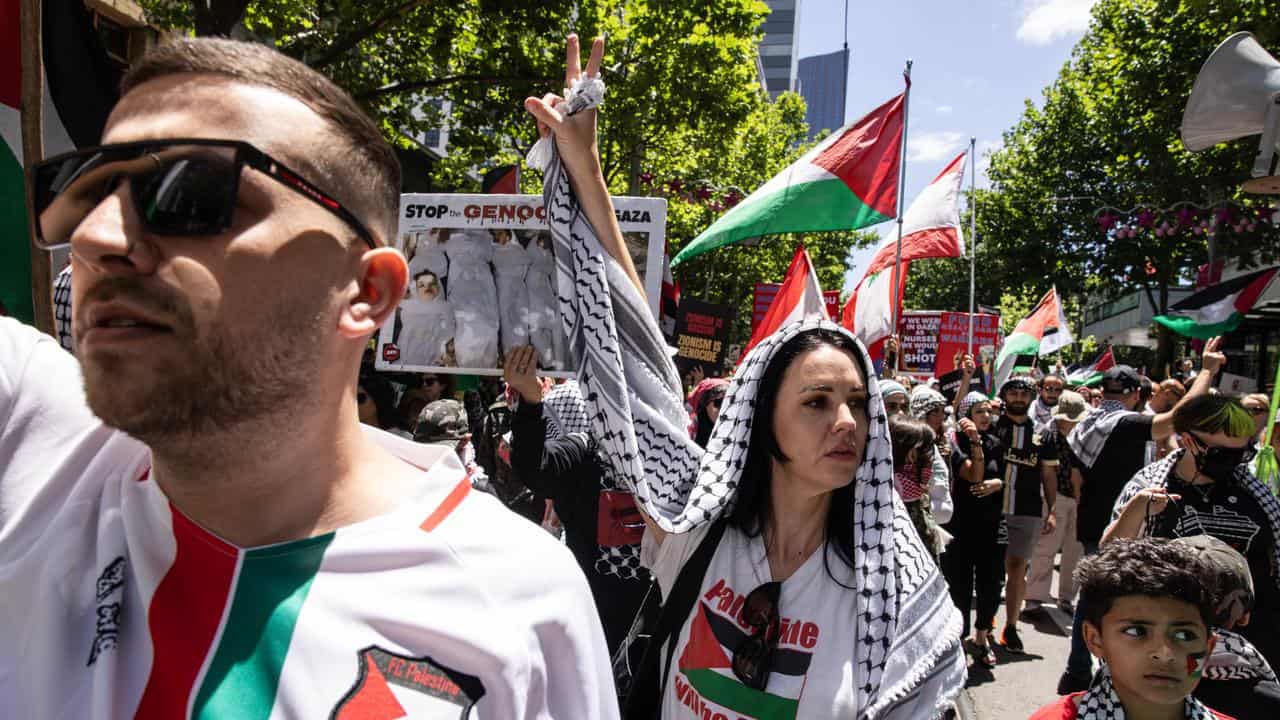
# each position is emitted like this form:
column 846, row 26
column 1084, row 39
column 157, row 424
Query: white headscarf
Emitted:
column 907, row 646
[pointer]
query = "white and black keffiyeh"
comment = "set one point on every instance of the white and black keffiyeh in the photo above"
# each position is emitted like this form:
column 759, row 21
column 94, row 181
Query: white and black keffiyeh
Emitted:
column 567, row 415
column 1156, row 475
column 1102, row 703
column 1234, row 658
column 907, row 650
column 1089, row 437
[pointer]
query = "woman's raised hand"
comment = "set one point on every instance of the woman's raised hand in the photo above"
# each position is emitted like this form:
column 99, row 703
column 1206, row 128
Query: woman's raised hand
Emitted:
column 575, row 135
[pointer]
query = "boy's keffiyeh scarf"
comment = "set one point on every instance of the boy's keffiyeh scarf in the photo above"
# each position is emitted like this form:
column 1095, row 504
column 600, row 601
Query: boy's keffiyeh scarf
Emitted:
column 1102, row 703
column 1088, row 438
column 567, row 416
column 1234, row 658
column 1156, row 475
column 906, row 652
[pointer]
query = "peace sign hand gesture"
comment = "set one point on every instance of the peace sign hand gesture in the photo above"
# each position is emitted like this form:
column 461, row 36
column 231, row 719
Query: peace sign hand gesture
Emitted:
column 575, row 134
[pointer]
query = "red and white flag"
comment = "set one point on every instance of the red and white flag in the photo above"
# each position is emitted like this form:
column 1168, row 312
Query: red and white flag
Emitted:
column 869, row 310
column 931, row 226
column 799, row 297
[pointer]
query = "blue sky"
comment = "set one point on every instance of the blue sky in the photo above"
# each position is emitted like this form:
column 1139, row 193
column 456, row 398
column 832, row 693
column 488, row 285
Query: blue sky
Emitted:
column 976, row 63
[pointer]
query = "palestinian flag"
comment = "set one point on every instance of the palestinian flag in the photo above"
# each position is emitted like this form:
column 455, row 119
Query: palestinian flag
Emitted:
column 669, row 305
column 849, row 181
column 931, row 225
column 1091, row 375
column 1045, row 320
column 79, row 91
column 799, row 297
column 1217, row 310
column 706, row 684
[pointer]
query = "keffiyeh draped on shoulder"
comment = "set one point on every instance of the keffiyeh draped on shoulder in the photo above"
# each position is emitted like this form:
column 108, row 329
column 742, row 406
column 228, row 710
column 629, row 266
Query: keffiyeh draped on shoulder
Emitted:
column 907, row 652
column 1102, row 703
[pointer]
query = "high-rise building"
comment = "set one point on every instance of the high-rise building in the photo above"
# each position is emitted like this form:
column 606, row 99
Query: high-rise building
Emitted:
column 822, row 84
column 778, row 48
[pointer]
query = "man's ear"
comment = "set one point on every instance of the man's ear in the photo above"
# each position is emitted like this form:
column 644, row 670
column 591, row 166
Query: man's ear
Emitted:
column 381, row 283
column 1093, row 640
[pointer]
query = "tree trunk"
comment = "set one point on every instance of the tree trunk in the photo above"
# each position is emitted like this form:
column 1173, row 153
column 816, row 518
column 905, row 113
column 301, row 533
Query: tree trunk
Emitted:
column 634, row 169
column 1164, row 337
column 218, row 17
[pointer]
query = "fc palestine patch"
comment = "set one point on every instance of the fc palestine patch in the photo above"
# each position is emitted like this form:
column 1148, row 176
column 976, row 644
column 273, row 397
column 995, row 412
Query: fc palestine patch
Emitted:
column 393, row 686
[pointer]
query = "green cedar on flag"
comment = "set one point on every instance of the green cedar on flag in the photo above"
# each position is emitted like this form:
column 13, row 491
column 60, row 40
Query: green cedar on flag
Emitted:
column 1046, row 322
column 1217, row 309
column 849, row 181
column 80, row 89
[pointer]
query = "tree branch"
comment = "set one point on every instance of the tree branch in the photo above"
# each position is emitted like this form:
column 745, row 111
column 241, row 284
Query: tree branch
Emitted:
column 345, row 44
column 411, row 85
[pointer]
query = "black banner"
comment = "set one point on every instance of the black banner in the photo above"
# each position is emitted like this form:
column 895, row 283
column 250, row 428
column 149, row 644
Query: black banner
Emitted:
column 702, row 334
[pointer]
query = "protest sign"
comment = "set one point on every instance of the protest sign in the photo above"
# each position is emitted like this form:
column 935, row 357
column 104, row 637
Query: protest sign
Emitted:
column 918, row 341
column 702, row 332
column 765, row 292
column 482, row 281
column 953, row 338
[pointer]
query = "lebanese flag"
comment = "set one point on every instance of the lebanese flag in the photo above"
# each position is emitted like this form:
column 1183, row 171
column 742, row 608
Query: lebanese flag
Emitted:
column 1092, row 374
column 931, row 226
column 79, row 91
column 1025, row 338
column 849, row 181
column 799, row 297
column 1218, row 309
column 869, row 310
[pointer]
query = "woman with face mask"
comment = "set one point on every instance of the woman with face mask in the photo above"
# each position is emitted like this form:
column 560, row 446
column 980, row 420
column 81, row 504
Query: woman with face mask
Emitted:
column 1206, row 488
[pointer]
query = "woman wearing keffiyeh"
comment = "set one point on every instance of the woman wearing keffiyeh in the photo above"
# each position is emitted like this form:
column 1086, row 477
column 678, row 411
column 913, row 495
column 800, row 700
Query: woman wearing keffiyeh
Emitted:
column 819, row 599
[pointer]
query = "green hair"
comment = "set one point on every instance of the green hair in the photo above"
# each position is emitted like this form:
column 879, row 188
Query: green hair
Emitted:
column 1212, row 413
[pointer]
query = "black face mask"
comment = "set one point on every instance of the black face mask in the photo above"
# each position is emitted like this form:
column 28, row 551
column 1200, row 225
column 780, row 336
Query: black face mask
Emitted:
column 1220, row 463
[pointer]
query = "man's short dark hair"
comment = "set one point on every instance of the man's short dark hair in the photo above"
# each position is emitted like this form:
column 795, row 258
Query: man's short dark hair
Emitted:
column 1150, row 567
column 361, row 171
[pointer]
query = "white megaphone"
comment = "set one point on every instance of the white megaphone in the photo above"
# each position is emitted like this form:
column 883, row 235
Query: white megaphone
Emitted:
column 1237, row 93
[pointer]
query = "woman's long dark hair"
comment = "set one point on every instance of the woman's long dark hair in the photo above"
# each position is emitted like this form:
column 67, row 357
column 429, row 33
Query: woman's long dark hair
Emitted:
column 754, row 503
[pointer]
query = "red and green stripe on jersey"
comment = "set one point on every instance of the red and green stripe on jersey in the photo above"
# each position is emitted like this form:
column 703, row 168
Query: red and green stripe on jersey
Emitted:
column 222, row 620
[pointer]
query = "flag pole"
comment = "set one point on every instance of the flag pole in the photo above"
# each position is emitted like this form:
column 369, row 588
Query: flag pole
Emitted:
column 895, row 296
column 32, row 106
column 973, row 228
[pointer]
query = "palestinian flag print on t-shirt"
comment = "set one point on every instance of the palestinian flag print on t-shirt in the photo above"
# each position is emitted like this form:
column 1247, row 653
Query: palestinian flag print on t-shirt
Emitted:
column 704, row 682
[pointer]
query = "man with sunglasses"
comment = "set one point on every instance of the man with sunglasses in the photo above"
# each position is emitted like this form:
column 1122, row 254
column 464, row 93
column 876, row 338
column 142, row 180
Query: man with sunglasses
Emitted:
column 206, row 529
column 1206, row 488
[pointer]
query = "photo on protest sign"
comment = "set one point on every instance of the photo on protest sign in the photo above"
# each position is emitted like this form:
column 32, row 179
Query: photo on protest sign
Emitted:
column 702, row 334
column 482, row 281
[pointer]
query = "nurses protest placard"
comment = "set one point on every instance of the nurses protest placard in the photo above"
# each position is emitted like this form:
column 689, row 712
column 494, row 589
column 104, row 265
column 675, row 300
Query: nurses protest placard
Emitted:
column 482, row 281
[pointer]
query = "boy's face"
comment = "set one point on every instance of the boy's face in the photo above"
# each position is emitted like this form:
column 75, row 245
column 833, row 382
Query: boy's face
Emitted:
column 1156, row 648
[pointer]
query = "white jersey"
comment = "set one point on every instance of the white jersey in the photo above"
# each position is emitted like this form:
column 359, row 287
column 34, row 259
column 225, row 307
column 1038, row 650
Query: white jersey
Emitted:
column 812, row 668
column 113, row 604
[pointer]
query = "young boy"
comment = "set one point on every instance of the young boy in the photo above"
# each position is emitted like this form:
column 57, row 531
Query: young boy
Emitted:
column 1148, row 607
column 1237, row 679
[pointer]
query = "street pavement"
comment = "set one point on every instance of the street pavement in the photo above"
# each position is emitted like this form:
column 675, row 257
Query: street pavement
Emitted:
column 1020, row 684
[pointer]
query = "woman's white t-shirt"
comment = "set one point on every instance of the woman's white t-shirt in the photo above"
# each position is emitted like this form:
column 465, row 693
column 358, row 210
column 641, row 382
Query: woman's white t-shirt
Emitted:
column 812, row 670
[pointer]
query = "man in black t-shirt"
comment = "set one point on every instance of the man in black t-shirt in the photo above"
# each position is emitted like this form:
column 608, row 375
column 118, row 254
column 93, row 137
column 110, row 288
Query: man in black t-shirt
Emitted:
column 1028, row 469
column 1112, row 444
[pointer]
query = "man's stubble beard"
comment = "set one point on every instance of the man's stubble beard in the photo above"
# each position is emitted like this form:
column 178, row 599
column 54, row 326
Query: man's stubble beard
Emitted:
column 221, row 381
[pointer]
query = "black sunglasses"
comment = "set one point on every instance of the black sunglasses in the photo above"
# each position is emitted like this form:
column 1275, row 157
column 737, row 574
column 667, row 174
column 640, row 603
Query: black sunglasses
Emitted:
column 1247, row 453
column 753, row 658
column 179, row 186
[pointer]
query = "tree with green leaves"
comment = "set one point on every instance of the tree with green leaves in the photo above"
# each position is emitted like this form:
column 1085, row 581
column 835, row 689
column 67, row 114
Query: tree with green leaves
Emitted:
column 1107, row 136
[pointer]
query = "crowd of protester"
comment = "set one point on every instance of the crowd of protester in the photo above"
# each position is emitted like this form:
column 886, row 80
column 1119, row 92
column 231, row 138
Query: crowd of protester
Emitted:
column 809, row 535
